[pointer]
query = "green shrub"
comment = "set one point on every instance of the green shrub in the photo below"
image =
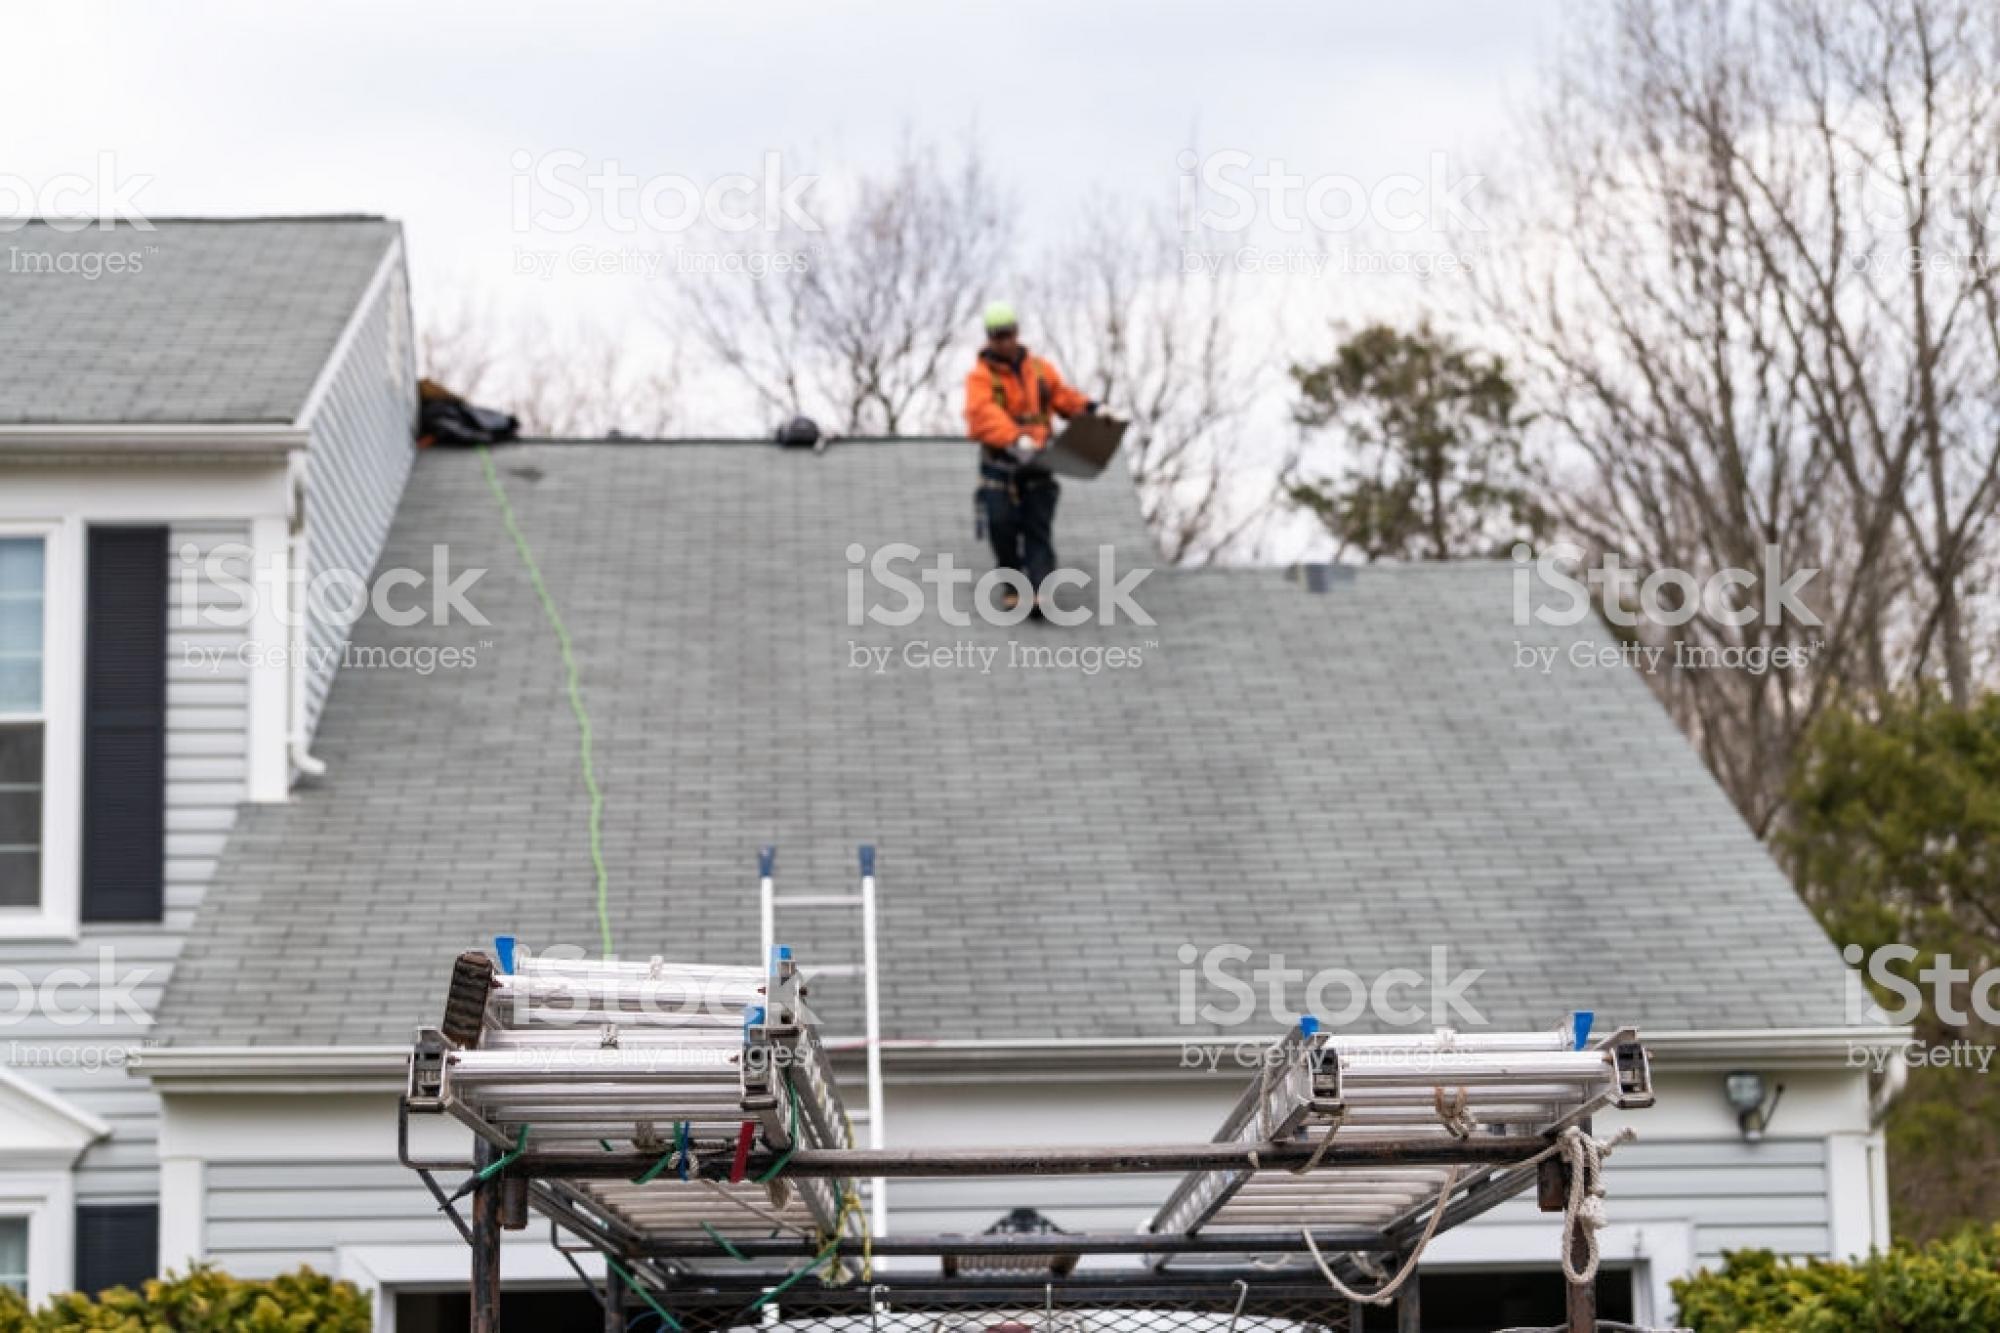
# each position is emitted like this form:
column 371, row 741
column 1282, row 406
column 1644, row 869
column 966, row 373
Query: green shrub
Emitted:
column 1946, row 1287
column 201, row 1301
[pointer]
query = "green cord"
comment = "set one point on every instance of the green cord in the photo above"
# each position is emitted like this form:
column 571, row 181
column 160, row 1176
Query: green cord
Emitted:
column 575, row 696
column 771, row 1173
column 650, row 1173
column 794, row 1279
column 723, row 1241
column 644, row 1295
column 502, row 1162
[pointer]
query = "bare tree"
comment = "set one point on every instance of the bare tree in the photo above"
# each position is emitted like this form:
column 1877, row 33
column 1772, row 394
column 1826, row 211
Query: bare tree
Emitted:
column 589, row 382
column 456, row 347
column 580, row 382
column 888, row 291
column 1750, row 332
column 1124, row 318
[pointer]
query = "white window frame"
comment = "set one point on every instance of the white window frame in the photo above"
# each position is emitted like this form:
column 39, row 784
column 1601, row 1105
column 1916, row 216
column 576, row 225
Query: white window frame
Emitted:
column 47, row 1199
column 57, row 917
column 27, row 1253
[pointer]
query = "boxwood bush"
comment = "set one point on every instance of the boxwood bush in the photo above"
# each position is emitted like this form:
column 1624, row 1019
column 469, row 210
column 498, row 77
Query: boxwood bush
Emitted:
column 201, row 1301
column 1949, row 1286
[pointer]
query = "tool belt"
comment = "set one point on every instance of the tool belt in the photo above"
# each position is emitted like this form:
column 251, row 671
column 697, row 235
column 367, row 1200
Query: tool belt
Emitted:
column 1001, row 471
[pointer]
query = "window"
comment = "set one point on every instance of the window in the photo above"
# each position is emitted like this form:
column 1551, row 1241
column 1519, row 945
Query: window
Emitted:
column 125, row 725
column 117, row 1245
column 14, row 1253
column 23, row 723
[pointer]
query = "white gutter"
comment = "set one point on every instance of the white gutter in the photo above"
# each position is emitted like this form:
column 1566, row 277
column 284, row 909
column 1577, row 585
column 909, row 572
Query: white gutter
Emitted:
column 227, row 438
column 313, row 1069
column 251, row 1068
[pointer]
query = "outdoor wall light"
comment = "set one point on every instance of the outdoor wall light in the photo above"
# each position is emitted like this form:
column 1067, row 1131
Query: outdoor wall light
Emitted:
column 1745, row 1091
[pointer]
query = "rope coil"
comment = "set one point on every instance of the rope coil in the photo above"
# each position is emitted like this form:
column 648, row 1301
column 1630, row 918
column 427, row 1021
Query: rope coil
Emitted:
column 1583, row 1212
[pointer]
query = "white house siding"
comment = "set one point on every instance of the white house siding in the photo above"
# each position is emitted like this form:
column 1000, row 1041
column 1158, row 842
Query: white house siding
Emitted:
column 207, row 713
column 363, row 443
column 1738, row 1196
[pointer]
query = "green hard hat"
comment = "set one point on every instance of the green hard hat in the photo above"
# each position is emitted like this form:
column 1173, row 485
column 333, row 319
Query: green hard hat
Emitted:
column 1000, row 315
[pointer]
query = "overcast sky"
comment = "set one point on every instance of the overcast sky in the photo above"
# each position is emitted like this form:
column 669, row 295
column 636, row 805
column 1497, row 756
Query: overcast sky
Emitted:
column 422, row 111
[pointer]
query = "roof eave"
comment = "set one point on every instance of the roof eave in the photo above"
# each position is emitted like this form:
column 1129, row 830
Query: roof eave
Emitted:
column 215, row 1069
column 231, row 439
column 303, row 1069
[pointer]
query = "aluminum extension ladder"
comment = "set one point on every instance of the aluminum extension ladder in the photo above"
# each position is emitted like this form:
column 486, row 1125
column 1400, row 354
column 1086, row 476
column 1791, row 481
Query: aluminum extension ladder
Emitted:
column 868, row 972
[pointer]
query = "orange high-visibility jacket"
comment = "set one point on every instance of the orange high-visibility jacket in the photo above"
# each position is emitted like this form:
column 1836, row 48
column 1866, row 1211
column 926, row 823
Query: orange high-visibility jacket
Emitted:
column 1004, row 401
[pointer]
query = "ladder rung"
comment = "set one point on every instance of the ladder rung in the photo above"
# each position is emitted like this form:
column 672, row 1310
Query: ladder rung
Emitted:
column 816, row 900
column 832, row 969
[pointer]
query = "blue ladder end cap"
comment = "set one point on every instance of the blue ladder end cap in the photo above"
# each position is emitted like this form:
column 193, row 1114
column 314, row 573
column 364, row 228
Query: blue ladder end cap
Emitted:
column 1308, row 1026
column 767, row 858
column 867, row 858
column 1580, row 1022
column 503, row 949
column 781, row 953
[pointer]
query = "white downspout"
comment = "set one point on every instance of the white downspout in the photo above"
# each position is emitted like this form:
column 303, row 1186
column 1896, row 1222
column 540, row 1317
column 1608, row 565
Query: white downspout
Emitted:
column 297, row 742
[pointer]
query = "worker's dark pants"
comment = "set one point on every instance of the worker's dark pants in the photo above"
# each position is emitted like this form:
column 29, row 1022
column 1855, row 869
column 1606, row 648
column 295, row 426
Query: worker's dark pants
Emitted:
column 1018, row 505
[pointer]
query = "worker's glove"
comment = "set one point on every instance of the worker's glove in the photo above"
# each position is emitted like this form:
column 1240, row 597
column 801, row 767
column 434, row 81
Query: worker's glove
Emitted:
column 1023, row 450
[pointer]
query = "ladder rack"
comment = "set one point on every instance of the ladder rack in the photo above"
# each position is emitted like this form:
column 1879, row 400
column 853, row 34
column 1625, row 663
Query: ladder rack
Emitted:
column 689, row 1067
column 1317, row 1089
column 683, row 1121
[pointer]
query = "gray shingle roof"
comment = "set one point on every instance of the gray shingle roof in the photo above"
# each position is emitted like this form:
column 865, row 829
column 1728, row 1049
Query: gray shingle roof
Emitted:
column 200, row 321
column 1350, row 778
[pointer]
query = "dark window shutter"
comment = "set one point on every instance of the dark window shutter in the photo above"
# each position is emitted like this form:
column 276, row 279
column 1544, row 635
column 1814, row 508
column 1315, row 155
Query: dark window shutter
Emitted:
column 125, row 726
column 117, row 1245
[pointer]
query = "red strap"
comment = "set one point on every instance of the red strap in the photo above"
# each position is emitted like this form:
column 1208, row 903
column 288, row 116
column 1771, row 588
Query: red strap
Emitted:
column 743, row 1137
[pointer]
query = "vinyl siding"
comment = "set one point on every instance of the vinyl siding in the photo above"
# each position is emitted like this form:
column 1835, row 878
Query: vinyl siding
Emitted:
column 1770, row 1195
column 265, row 1217
column 363, row 443
column 207, row 739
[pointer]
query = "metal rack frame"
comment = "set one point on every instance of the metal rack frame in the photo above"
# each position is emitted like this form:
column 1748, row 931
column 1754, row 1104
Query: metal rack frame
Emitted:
column 703, row 1151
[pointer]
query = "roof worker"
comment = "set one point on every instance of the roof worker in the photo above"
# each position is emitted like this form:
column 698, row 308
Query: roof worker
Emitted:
column 1009, row 398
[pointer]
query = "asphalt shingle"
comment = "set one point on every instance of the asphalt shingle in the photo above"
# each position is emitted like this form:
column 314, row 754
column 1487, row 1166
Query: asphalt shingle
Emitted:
column 195, row 321
column 1349, row 778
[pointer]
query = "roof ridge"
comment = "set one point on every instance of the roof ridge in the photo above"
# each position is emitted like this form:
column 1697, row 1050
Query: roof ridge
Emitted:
column 737, row 439
column 185, row 219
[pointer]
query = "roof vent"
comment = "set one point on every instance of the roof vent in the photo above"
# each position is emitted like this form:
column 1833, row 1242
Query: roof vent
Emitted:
column 799, row 433
column 1320, row 578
